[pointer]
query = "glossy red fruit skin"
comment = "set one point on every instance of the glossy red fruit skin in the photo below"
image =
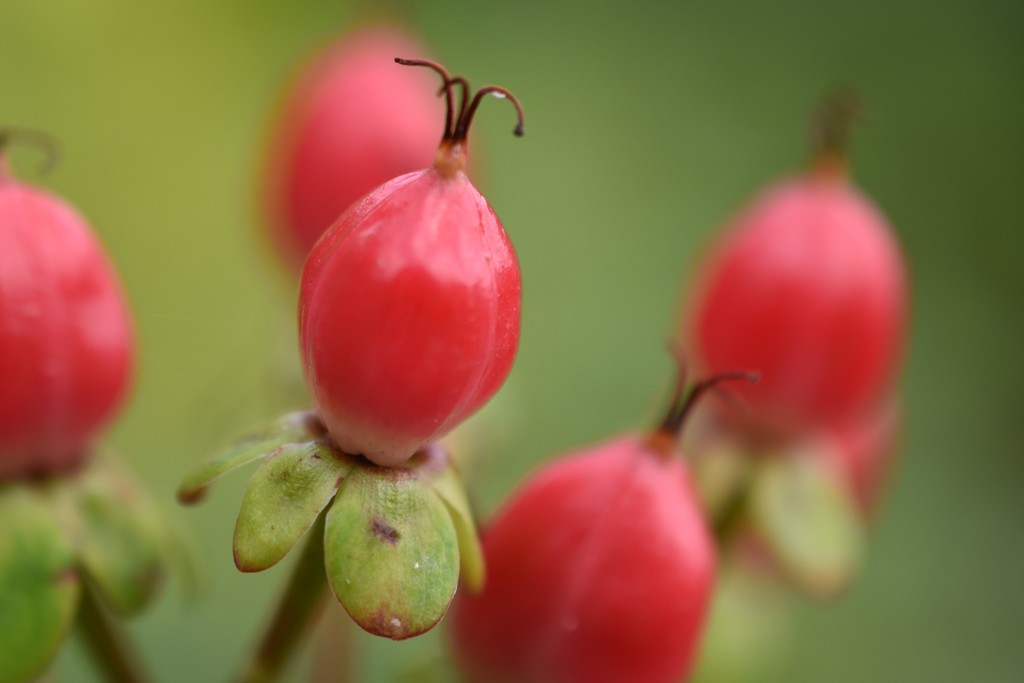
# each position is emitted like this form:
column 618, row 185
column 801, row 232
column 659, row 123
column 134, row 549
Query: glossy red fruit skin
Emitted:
column 599, row 570
column 807, row 286
column 352, row 120
column 66, row 339
column 408, row 314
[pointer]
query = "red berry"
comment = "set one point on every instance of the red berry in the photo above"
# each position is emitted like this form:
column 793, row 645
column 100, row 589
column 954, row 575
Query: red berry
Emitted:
column 807, row 286
column 600, row 569
column 66, row 342
column 352, row 121
column 409, row 307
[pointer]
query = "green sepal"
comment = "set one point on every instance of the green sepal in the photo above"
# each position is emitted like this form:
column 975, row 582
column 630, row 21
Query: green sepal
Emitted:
column 748, row 634
column 294, row 427
column 39, row 587
column 447, row 485
column 283, row 499
column 799, row 507
column 123, row 541
column 391, row 552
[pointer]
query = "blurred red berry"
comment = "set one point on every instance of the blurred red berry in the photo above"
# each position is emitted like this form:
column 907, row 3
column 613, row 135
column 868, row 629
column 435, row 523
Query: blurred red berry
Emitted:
column 409, row 306
column 351, row 121
column 809, row 287
column 66, row 340
column 599, row 570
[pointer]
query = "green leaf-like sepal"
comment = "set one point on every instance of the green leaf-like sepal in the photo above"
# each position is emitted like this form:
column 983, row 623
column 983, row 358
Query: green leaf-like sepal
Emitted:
column 391, row 552
column 39, row 587
column 799, row 507
column 123, row 537
column 394, row 537
column 283, row 500
column 749, row 631
column 294, row 427
column 446, row 484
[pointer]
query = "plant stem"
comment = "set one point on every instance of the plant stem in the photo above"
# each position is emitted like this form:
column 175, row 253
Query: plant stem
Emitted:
column 296, row 611
column 335, row 657
column 107, row 642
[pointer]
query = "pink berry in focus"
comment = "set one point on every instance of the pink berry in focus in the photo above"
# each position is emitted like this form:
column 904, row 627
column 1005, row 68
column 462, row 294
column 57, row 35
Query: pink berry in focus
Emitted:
column 409, row 306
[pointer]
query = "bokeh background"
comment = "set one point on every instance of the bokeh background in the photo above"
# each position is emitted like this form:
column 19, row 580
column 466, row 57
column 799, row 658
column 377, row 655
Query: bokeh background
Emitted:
column 648, row 125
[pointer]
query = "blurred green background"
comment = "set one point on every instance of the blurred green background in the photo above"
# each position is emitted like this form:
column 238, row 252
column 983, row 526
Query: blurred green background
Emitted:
column 648, row 124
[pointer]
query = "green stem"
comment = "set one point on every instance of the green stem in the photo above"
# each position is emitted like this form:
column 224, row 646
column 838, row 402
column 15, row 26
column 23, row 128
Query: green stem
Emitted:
column 296, row 612
column 334, row 655
column 107, row 642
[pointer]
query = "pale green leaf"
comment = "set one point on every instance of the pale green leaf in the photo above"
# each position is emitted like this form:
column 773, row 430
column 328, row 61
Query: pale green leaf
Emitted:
column 39, row 587
column 282, row 501
column 122, row 536
column 449, row 488
column 391, row 552
column 802, row 512
column 292, row 428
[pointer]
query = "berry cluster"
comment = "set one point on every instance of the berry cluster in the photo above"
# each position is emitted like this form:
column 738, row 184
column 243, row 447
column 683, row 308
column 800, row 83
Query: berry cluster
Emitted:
column 602, row 567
